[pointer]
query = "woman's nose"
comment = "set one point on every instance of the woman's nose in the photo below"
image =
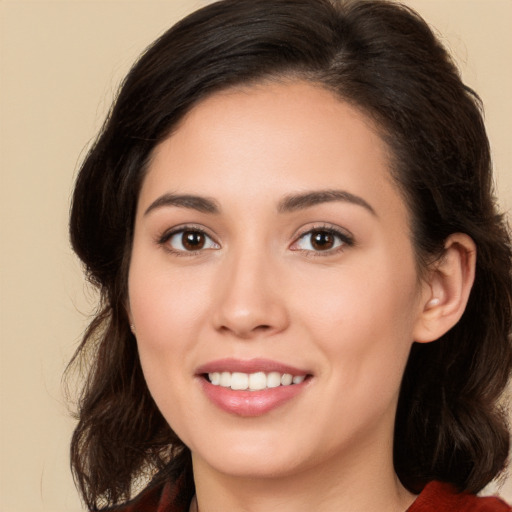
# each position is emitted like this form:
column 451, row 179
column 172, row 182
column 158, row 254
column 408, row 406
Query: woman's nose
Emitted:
column 250, row 302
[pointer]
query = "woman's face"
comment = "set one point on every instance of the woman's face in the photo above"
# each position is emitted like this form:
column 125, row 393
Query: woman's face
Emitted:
column 271, row 244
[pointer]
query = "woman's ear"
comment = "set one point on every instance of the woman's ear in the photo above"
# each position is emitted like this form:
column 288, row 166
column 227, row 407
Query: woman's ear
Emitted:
column 446, row 289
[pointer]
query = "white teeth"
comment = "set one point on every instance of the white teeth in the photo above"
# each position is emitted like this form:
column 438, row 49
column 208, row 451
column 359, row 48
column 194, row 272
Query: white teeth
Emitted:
column 239, row 380
column 254, row 381
column 257, row 381
column 273, row 380
column 214, row 378
column 225, row 379
column 286, row 379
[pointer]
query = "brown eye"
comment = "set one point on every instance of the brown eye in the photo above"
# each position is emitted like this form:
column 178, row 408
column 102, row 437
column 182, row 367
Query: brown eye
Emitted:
column 322, row 240
column 193, row 240
column 189, row 240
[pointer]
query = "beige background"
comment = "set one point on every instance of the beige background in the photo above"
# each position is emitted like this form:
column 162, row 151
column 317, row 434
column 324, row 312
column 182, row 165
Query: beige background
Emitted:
column 60, row 63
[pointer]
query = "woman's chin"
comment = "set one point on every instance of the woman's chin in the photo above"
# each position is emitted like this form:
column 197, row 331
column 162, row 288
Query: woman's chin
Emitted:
column 257, row 465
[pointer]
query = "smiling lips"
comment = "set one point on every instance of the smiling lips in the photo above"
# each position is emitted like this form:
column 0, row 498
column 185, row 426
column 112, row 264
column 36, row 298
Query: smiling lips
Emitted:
column 251, row 388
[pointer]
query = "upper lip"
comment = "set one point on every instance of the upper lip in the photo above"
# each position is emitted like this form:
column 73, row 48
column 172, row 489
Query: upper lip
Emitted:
column 249, row 366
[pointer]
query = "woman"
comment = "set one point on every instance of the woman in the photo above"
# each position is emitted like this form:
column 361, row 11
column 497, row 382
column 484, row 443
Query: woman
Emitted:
column 306, row 287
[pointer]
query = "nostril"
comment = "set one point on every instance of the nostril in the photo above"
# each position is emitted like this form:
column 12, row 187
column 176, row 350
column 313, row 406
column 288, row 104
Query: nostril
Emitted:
column 262, row 328
column 247, row 332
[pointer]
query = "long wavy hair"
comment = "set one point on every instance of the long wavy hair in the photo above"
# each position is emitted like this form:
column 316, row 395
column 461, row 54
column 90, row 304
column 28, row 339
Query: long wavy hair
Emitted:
column 382, row 58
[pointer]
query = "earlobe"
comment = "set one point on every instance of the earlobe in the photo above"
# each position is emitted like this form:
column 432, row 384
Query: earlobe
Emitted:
column 447, row 289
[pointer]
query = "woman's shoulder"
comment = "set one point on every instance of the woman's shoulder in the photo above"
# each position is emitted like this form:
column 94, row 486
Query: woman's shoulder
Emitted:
column 438, row 496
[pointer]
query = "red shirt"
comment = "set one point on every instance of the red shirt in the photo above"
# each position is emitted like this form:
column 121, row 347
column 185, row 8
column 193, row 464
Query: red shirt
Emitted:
column 440, row 497
column 436, row 497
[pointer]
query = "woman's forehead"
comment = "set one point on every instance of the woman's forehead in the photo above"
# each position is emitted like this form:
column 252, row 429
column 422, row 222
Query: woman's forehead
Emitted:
column 264, row 144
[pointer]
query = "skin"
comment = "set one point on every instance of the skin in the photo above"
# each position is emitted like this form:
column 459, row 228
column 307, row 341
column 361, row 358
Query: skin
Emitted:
column 259, row 289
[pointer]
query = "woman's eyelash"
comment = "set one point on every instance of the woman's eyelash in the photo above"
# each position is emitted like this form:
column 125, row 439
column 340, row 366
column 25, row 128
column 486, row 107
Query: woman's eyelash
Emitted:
column 318, row 241
column 187, row 240
column 323, row 240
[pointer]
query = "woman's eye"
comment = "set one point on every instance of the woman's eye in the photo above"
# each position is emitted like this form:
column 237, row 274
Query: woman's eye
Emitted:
column 190, row 240
column 319, row 240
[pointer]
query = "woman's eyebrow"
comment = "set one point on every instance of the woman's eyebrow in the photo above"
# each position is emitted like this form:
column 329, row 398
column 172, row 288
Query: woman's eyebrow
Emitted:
column 307, row 199
column 199, row 203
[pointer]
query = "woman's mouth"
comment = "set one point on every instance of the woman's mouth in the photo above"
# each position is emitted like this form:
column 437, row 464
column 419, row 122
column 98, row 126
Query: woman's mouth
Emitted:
column 251, row 388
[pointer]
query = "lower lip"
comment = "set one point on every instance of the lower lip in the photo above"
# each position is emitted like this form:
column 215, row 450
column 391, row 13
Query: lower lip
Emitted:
column 251, row 403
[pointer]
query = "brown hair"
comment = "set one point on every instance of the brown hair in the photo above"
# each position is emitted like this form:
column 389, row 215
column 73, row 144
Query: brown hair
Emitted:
column 383, row 58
